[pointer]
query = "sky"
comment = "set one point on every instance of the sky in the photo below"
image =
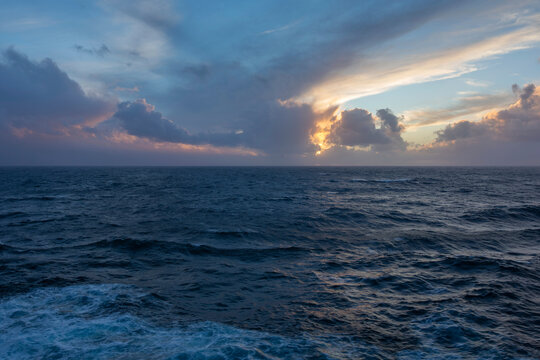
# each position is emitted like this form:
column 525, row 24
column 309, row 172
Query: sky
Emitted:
column 269, row 82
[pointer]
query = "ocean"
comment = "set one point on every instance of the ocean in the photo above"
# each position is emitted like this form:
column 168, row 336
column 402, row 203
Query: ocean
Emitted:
column 269, row 263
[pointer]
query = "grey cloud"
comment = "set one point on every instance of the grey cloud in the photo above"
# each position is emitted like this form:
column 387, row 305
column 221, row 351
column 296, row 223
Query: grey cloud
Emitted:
column 41, row 97
column 461, row 130
column 243, row 84
column 278, row 130
column 358, row 127
column 343, row 37
column 526, row 94
column 59, row 102
column 518, row 122
column 101, row 51
column 140, row 119
column 230, row 98
column 390, row 120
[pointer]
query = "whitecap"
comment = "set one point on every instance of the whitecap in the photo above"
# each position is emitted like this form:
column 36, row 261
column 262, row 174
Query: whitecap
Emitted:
column 76, row 322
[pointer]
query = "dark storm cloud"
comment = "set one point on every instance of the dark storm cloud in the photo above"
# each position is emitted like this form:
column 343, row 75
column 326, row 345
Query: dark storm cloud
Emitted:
column 518, row 122
column 101, row 51
column 41, row 97
column 358, row 127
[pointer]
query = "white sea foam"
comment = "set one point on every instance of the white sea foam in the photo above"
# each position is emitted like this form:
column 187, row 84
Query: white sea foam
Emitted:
column 77, row 322
column 85, row 322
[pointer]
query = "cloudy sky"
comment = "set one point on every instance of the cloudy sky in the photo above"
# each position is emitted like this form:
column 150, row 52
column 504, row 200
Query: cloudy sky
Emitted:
column 269, row 82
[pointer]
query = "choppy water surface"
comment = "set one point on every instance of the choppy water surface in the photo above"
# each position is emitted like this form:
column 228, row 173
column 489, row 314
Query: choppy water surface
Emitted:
column 265, row 263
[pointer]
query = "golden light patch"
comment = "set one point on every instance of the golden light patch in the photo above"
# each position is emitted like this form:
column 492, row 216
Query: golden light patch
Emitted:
column 323, row 129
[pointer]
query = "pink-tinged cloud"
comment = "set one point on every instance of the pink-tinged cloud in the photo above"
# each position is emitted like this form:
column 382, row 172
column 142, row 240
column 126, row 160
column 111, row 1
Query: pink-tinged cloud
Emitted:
column 40, row 98
column 519, row 122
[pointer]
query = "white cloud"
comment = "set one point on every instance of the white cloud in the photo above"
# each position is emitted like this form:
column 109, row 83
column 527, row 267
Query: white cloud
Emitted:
column 386, row 71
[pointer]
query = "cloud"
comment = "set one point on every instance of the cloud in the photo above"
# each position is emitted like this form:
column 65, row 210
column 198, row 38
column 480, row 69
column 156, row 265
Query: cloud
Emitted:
column 281, row 28
column 358, row 127
column 270, row 68
column 139, row 118
column 38, row 96
column 142, row 31
column 476, row 83
column 243, row 86
column 364, row 77
column 235, row 76
column 59, row 105
column 199, row 71
column 133, row 89
column 464, row 106
column 101, row 51
column 333, row 52
column 520, row 122
column 279, row 130
column 158, row 14
column 461, row 130
column 282, row 130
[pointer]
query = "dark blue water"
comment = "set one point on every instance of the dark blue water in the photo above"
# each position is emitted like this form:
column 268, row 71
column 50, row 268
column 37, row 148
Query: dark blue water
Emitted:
column 269, row 263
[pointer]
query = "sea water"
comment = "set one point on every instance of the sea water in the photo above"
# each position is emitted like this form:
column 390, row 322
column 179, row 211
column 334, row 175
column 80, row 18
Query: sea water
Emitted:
column 269, row 263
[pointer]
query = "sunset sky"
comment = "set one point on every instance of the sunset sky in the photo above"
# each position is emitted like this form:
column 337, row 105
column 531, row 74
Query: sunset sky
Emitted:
column 132, row 82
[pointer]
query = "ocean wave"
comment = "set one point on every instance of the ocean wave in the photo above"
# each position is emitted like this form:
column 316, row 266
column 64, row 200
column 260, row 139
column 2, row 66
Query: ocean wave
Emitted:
column 440, row 336
column 481, row 264
column 39, row 221
column 76, row 323
column 107, row 321
column 280, row 251
column 4, row 247
column 93, row 322
column 527, row 212
column 29, row 198
column 245, row 253
column 12, row 214
column 381, row 180
column 231, row 233
column 343, row 213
